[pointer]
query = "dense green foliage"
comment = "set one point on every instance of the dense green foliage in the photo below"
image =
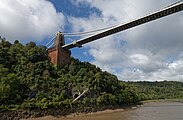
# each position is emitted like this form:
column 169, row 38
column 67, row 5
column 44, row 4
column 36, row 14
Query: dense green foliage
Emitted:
column 158, row 90
column 28, row 80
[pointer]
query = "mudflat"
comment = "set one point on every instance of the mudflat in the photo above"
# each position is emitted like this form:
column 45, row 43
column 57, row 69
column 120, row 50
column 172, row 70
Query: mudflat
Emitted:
column 79, row 116
column 162, row 110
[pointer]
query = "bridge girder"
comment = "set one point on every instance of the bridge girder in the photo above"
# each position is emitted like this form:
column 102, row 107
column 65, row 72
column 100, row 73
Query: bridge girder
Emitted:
column 151, row 17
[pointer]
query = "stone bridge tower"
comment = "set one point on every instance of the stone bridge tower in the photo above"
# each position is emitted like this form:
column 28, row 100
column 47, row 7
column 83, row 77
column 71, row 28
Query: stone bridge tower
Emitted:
column 57, row 54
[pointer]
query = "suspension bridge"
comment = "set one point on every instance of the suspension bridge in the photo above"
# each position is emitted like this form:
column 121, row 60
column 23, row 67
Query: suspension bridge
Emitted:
column 59, row 52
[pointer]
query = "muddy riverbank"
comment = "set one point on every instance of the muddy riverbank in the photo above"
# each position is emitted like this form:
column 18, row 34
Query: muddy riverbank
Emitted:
column 161, row 110
column 60, row 113
column 88, row 112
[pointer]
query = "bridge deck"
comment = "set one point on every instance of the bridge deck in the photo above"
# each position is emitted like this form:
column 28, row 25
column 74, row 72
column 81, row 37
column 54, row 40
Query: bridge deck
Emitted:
column 156, row 15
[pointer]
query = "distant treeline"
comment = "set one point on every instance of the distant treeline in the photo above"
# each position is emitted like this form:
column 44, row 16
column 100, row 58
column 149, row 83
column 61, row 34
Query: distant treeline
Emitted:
column 158, row 90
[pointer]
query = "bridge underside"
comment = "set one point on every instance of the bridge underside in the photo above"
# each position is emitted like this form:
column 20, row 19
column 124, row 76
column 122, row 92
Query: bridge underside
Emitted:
column 60, row 53
column 151, row 17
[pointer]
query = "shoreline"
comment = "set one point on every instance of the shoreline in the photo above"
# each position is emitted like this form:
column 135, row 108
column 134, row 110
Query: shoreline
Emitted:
column 107, row 111
column 77, row 115
column 56, row 114
column 163, row 100
column 63, row 113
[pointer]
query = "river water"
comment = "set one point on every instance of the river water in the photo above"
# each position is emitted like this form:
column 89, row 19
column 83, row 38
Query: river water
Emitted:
column 150, row 111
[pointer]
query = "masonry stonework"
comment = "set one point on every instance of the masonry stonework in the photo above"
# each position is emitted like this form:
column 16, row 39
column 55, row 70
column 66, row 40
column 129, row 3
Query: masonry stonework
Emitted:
column 57, row 54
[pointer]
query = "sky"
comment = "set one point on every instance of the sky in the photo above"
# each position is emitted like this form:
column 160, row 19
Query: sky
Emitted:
column 150, row 52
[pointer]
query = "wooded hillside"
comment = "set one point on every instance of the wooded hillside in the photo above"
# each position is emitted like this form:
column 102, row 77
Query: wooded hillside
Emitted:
column 28, row 80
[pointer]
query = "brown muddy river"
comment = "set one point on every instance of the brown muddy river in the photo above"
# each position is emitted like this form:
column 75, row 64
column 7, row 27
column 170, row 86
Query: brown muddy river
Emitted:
column 150, row 111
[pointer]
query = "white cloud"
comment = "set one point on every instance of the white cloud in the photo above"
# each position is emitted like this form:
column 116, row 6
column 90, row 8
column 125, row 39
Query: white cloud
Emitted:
column 172, row 71
column 29, row 19
column 139, row 59
column 148, row 52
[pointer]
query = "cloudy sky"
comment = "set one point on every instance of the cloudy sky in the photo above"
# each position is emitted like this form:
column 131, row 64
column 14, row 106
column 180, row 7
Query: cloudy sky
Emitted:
column 151, row 52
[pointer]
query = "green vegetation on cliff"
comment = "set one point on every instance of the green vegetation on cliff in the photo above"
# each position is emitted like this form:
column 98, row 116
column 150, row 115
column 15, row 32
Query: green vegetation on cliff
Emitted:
column 28, row 80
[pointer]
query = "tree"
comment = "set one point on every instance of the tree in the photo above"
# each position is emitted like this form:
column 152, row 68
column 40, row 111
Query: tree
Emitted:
column 10, row 89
